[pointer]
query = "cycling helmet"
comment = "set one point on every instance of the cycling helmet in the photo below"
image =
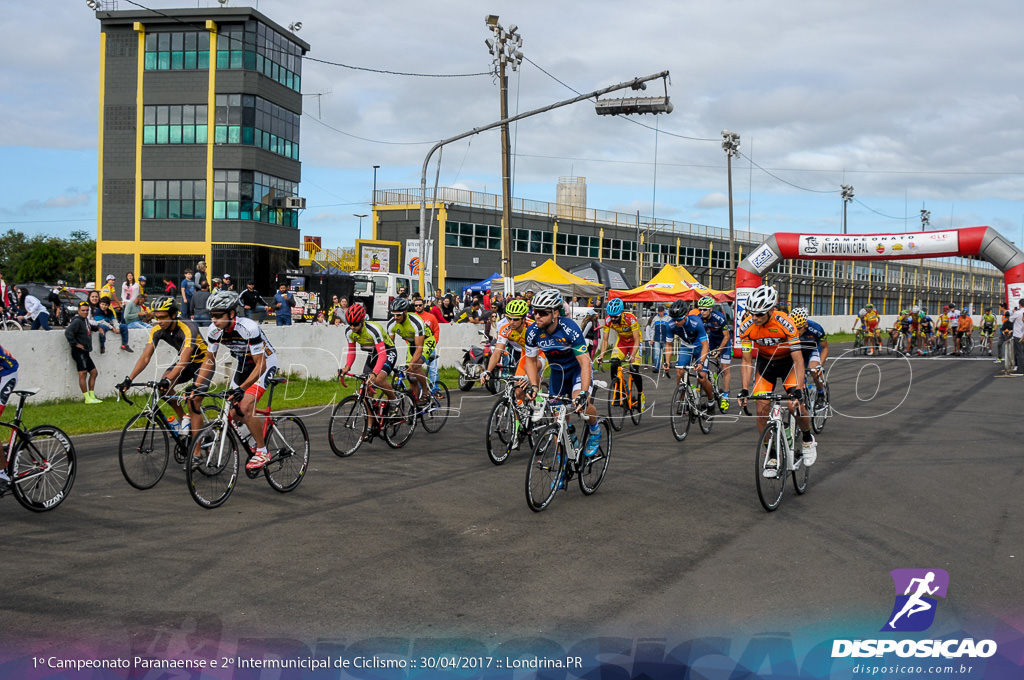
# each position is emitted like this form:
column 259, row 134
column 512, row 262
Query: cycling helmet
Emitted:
column 966, row 311
column 678, row 310
column 517, row 309
column 222, row 301
column 614, row 307
column 706, row 302
column 915, row 309
column 166, row 305
column 400, row 305
column 762, row 299
column 869, row 306
column 355, row 314
column 922, row 314
column 549, row 298
column 799, row 316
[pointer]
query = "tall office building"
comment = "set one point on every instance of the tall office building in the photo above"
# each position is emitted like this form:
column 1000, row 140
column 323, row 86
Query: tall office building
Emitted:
column 198, row 144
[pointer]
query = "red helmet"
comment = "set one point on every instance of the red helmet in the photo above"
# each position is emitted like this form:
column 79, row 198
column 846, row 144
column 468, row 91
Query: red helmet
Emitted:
column 355, row 314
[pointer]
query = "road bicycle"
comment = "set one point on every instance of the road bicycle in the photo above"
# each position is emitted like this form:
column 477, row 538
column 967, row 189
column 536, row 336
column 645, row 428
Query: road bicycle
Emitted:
column 898, row 343
column 9, row 320
column 714, row 367
column 689, row 404
column 624, row 399
column 967, row 344
column 985, row 341
column 776, row 453
column 434, row 413
column 366, row 414
column 558, row 456
column 817, row 400
column 858, row 341
column 145, row 445
column 513, row 421
column 41, row 461
column 213, row 466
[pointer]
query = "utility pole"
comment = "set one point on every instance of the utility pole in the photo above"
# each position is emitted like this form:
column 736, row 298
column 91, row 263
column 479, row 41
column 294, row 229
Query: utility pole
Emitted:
column 505, row 50
column 926, row 218
column 846, row 190
column 731, row 145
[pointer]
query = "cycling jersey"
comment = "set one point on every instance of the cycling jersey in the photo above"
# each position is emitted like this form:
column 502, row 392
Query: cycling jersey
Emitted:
column 624, row 328
column 244, row 340
column 691, row 332
column 8, row 364
column 988, row 322
column 925, row 325
column 965, row 323
column 870, row 320
column 512, row 338
column 943, row 323
column 373, row 339
column 180, row 334
column 716, row 326
column 810, row 339
column 774, row 339
column 411, row 328
column 905, row 322
column 561, row 346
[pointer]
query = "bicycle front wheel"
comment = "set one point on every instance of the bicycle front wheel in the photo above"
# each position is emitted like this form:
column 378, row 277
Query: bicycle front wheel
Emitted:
column 288, row 445
column 500, row 431
column 618, row 404
column 347, row 427
column 770, row 468
column 436, row 415
column 42, row 468
column 704, row 410
column 213, row 466
column 593, row 468
column 680, row 416
column 545, row 470
column 10, row 325
column 401, row 423
column 143, row 452
column 820, row 410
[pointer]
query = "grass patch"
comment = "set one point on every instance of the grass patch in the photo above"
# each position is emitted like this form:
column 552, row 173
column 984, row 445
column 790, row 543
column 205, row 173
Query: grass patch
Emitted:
column 75, row 417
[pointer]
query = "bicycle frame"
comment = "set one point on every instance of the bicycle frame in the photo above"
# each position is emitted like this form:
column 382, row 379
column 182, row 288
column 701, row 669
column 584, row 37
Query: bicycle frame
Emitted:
column 153, row 407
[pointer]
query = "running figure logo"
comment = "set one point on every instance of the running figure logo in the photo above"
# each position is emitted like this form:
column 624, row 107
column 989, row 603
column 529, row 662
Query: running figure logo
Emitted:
column 914, row 609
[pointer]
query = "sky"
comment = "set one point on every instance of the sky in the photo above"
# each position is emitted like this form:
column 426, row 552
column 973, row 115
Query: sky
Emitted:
column 916, row 104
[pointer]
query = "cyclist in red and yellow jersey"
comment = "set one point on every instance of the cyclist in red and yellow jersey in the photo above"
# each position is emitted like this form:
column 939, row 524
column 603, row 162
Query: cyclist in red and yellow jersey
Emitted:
column 871, row 321
column 627, row 345
column 778, row 357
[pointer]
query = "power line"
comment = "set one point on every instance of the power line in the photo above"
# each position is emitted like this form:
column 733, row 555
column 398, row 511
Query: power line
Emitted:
column 364, row 139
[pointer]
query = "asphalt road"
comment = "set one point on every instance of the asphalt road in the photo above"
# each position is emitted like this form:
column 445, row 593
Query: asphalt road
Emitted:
column 920, row 467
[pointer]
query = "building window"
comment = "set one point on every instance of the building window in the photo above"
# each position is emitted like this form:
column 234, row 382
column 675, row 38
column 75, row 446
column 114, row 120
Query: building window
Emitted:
column 179, row 50
column 250, row 120
column 468, row 235
column 174, row 124
column 255, row 47
column 174, row 199
column 250, row 195
column 577, row 245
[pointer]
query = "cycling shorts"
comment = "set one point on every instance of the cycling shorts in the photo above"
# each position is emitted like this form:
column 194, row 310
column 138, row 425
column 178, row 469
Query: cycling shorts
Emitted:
column 7, row 384
column 725, row 354
column 623, row 351
column 565, row 380
column 769, row 372
column 686, row 356
column 428, row 351
column 188, row 374
column 245, row 369
column 83, row 362
column 390, row 360
column 812, row 356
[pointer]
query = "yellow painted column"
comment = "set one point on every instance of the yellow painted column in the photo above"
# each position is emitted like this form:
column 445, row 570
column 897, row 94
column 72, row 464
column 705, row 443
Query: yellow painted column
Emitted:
column 139, row 110
column 678, row 248
column 900, row 305
column 211, row 111
column 833, row 304
column 600, row 250
column 442, row 228
column 789, row 296
column 99, row 184
column 554, row 250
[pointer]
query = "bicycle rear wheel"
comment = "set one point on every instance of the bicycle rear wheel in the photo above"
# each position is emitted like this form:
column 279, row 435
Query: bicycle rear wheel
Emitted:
column 42, row 468
column 436, row 415
column 143, row 451
column 399, row 426
column 770, row 460
column 545, row 469
column 213, row 467
column 347, row 427
column 9, row 325
column 500, row 431
column 618, row 403
column 705, row 409
column 288, row 445
column 820, row 410
column 593, row 469
column 680, row 415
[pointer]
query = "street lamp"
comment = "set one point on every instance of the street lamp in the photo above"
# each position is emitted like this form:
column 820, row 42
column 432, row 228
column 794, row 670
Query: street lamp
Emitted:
column 373, row 198
column 846, row 190
column 505, row 50
column 731, row 145
column 360, row 224
column 926, row 218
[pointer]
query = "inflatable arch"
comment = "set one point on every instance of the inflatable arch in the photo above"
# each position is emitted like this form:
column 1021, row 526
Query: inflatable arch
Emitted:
column 981, row 242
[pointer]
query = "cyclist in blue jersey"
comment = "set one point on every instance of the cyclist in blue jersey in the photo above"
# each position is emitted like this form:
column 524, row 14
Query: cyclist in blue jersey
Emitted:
column 813, row 342
column 8, row 381
column 562, row 342
column 716, row 325
column 693, row 345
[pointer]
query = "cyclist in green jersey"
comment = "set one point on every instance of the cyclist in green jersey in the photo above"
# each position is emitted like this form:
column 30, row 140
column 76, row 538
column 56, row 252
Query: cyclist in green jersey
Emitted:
column 988, row 328
column 382, row 355
column 411, row 328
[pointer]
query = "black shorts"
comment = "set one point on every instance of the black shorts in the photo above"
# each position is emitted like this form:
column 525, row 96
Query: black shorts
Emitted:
column 188, row 374
column 390, row 360
column 83, row 362
column 771, row 371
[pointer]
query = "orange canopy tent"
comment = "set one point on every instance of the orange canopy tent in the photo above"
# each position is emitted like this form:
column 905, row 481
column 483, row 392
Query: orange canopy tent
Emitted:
column 671, row 283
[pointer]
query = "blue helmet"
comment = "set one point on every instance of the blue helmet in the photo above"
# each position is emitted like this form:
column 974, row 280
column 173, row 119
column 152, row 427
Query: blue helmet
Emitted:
column 614, row 307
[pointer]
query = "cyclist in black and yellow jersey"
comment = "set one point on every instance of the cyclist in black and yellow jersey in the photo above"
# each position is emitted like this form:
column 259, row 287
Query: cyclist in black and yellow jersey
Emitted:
column 377, row 343
column 411, row 328
column 184, row 337
column 988, row 328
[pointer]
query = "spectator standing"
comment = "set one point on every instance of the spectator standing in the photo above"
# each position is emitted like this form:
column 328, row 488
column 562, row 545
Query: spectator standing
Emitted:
column 7, row 297
column 200, row 274
column 447, row 309
column 215, row 284
column 226, row 283
column 283, row 303
column 202, row 294
column 79, row 336
column 129, row 288
column 188, row 289
column 34, row 309
column 170, row 289
column 142, row 285
column 1017, row 318
column 251, row 301
column 135, row 314
column 660, row 336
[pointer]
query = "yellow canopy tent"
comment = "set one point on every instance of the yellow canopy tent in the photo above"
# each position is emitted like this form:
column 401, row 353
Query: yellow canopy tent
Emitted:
column 550, row 275
column 672, row 283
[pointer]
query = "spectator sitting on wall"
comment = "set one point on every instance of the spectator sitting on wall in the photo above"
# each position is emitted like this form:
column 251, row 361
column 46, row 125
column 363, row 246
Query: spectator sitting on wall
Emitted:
column 202, row 294
column 142, row 284
column 104, row 317
column 135, row 312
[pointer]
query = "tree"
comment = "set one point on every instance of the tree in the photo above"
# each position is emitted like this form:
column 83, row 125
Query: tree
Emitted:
column 48, row 258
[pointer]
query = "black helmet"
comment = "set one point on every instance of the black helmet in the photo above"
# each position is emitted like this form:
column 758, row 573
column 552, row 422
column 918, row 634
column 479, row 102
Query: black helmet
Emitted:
column 678, row 310
column 400, row 305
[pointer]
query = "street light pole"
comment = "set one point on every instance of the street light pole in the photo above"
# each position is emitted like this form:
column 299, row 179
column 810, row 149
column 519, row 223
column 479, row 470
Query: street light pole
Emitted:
column 846, row 190
column 731, row 145
column 360, row 224
column 926, row 218
column 504, row 49
column 373, row 198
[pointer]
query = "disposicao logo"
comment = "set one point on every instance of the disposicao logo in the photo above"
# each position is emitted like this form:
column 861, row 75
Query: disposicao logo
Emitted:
column 916, row 592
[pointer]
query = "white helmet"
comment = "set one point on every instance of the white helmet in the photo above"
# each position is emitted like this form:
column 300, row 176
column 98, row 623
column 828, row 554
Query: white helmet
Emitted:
column 762, row 299
column 549, row 298
column 222, row 301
